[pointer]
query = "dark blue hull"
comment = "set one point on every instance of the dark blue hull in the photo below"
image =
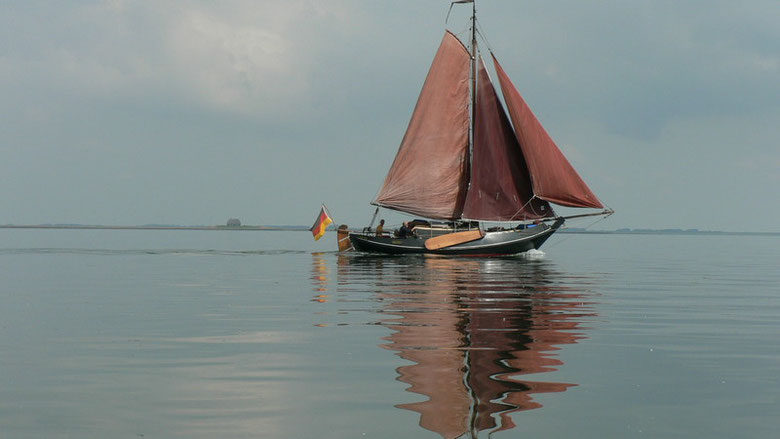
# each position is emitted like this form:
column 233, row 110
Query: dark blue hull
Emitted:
column 504, row 242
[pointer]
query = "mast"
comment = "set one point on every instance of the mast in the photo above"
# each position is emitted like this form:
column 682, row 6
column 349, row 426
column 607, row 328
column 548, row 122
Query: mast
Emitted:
column 473, row 68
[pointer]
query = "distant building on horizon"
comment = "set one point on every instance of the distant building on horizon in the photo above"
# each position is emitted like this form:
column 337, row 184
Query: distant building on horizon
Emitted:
column 234, row 222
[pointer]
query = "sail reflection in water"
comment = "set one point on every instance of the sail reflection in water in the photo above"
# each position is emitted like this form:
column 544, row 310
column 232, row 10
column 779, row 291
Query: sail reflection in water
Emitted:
column 473, row 328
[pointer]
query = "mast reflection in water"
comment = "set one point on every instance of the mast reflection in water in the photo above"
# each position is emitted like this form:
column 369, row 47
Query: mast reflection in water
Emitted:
column 472, row 328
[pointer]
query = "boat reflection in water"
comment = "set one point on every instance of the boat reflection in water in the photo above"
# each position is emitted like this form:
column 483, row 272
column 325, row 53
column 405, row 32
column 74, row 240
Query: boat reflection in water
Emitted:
column 473, row 328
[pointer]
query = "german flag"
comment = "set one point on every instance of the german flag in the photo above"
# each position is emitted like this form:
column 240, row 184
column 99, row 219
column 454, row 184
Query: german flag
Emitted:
column 322, row 223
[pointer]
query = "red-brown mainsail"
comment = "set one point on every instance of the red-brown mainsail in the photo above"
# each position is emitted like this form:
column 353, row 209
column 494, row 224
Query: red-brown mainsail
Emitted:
column 429, row 176
column 500, row 187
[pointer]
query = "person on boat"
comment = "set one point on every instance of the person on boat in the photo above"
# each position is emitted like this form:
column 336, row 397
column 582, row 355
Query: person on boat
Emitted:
column 380, row 228
column 404, row 231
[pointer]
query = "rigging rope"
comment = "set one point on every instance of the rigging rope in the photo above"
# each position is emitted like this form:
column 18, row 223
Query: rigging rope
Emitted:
column 523, row 207
column 482, row 35
column 586, row 228
column 461, row 32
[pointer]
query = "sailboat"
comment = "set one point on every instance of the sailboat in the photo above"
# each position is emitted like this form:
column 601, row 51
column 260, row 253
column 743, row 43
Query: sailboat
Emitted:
column 464, row 162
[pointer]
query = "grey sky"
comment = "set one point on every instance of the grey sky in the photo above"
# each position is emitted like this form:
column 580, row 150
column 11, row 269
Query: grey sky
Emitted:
column 190, row 112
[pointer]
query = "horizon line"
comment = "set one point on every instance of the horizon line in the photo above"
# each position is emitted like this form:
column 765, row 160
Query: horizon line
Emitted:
column 622, row 230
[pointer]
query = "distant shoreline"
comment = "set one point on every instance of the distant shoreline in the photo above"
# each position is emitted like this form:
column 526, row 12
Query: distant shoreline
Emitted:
column 306, row 229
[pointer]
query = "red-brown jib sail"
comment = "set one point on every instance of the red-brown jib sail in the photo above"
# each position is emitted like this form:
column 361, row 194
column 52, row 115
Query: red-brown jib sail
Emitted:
column 500, row 187
column 552, row 176
column 429, row 176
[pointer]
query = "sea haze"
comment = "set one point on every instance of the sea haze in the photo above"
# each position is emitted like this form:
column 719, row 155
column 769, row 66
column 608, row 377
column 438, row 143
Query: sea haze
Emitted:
column 165, row 334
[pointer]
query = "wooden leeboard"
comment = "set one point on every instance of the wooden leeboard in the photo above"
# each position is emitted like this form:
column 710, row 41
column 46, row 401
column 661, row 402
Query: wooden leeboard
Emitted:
column 451, row 239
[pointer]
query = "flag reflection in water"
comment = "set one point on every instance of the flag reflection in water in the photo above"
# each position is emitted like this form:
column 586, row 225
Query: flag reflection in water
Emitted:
column 472, row 328
column 319, row 278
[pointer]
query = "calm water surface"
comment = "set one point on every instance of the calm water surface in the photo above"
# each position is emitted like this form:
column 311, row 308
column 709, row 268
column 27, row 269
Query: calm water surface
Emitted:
column 177, row 334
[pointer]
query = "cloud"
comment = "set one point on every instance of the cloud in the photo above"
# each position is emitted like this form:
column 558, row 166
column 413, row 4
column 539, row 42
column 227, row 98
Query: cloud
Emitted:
column 237, row 56
column 255, row 59
column 238, row 68
column 637, row 66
